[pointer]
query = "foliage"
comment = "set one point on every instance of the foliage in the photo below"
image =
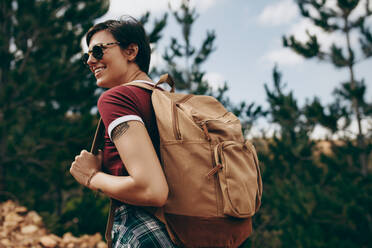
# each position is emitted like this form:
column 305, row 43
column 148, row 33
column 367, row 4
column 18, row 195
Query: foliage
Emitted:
column 46, row 96
column 318, row 193
column 338, row 19
column 47, row 100
column 188, row 76
column 184, row 62
column 313, row 196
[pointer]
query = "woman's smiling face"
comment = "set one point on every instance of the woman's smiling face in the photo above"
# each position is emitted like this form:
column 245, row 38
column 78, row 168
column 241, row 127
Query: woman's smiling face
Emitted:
column 112, row 69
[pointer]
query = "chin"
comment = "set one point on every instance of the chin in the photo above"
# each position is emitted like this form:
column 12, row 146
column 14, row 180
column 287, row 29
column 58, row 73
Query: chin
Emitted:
column 103, row 84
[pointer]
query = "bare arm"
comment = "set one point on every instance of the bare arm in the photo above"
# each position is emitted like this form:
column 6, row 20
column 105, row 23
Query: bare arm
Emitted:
column 146, row 184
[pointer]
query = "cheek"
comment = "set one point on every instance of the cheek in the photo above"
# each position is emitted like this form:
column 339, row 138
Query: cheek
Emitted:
column 118, row 69
column 114, row 75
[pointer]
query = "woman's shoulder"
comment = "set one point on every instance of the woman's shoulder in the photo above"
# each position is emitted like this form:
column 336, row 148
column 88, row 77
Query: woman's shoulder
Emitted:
column 124, row 95
column 117, row 90
column 117, row 93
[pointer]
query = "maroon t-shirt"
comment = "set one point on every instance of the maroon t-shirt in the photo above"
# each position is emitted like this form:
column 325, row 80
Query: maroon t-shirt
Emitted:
column 120, row 104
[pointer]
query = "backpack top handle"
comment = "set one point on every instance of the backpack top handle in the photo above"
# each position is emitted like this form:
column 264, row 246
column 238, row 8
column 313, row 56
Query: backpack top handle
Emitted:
column 166, row 78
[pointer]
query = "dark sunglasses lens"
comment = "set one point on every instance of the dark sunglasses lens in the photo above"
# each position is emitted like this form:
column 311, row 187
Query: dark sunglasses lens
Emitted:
column 85, row 58
column 97, row 52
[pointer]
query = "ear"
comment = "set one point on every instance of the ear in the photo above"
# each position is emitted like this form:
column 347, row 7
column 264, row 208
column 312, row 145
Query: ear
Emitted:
column 131, row 52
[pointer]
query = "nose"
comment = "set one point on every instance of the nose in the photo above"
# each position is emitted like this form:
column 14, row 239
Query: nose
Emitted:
column 91, row 60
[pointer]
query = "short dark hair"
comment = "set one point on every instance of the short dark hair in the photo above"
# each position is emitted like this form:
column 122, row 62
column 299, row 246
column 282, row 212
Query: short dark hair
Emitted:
column 127, row 31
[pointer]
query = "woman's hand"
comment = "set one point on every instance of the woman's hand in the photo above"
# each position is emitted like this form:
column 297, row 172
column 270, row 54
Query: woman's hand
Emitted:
column 146, row 184
column 85, row 166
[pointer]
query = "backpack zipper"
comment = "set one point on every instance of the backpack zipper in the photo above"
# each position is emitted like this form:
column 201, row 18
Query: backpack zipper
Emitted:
column 205, row 122
column 204, row 126
column 176, row 129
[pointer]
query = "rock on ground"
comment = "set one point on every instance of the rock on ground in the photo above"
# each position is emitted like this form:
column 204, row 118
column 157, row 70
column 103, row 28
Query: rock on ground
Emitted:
column 20, row 228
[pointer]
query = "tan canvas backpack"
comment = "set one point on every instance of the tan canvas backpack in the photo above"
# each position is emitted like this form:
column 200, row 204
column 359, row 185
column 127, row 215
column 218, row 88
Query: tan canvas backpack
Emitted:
column 212, row 172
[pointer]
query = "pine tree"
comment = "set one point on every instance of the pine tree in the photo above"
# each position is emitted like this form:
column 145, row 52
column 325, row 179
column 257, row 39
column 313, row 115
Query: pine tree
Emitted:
column 188, row 76
column 46, row 95
column 184, row 63
column 158, row 26
column 47, row 108
column 352, row 92
column 288, row 171
column 343, row 196
column 313, row 197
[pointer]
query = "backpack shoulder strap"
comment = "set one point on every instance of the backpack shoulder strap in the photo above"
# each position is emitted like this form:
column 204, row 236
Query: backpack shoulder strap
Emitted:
column 141, row 85
column 165, row 78
column 99, row 133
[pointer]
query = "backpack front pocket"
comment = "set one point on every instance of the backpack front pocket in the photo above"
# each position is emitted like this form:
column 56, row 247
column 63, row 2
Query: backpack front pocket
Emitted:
column 239, row 178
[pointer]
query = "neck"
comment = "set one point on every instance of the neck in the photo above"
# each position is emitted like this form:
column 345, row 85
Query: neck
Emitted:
column 138, row 75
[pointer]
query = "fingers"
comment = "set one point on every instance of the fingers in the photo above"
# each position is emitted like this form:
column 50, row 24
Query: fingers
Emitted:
column 83, row 152
column 86, row 158
column 77, row 159
column 71, row 168
column 84, row 165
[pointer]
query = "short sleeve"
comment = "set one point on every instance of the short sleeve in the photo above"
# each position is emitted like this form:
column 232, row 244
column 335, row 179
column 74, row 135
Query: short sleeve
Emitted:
column 118, row 105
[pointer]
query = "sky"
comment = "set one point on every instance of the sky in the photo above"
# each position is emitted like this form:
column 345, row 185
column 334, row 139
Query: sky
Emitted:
column 249, row 44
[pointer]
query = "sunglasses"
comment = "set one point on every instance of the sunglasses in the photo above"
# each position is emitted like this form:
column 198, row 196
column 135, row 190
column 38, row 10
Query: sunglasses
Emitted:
column 97, row 51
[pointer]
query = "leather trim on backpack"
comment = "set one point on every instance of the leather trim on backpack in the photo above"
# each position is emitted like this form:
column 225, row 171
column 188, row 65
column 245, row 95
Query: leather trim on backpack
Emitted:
column 202, row 229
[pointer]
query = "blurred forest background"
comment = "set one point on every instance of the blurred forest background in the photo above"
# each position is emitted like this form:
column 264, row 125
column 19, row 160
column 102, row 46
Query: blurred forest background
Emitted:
column 317, row 193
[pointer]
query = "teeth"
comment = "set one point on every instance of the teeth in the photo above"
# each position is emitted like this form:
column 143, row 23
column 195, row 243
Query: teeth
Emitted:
column 98, row 70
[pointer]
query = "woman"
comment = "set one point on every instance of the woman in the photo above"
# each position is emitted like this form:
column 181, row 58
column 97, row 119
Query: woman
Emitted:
column 119, row 52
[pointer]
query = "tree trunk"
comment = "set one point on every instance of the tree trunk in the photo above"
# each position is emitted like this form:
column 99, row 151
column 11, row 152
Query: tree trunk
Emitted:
column 355, row 104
